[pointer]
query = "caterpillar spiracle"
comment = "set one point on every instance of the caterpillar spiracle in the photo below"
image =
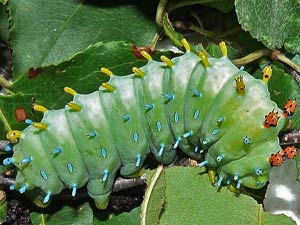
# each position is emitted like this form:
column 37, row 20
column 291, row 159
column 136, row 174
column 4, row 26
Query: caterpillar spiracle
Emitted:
column 200, row 104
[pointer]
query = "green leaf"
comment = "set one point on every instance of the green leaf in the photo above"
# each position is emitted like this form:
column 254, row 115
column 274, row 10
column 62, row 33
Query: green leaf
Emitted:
column 80, row 73
column 154, row 199
column 274, row 23
column 48, row 32
column 82, row 215
column 128, row 218
column 3, row 24
column 191, row 199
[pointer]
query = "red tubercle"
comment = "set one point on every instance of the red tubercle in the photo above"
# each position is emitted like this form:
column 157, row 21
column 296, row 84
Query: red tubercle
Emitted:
column 137, row 51
column 20, row 114
column 276, row 159
column 271, row 120
column 289, row 152
column 289, row 108
column 34, row 72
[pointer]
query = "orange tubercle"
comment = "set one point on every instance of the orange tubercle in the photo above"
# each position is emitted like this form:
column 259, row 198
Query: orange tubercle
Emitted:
column 271, row 119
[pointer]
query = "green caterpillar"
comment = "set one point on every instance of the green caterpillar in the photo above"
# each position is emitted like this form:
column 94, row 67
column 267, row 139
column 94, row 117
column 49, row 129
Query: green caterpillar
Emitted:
column 201, row 105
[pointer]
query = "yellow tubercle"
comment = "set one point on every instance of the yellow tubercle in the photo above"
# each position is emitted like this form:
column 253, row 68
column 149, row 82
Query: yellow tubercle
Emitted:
column 39, row 108
column 267, row 73
column 108, row 87
column 74, row 106
column 106, row 71
column 138, row 72
column 186, row 45
column 70, row 91
column 240, row 85
column 40, row 126
column 212, row 175
column 167, row 61
column 204, row 59
column 146, row 55
column 223, row 48
column 13, row 135
column 232, row 187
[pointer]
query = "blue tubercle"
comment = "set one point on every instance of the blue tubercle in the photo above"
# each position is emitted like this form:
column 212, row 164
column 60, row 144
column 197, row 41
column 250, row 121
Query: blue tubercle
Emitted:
column 238, row 184
column 23, row 188
column 204, row 163
column 8, row 161
column 158, row 126
column 258, row 171
column 44, row 174
column 149, row 106
column 177, row 142
column 135, row 137
column 28, row 121
column 205, row 141
column 219, row 181
column 169, row 97
column 126, row 117
column 12, row 187
column 8, row 148
column 70, row 167
column 220, row 120
column 196, row 114
column 215, row 131
column 196, row 93
column 92, row 134
column 105, row 175
column 74, row 188
column 138, row 160
column 103, row 152
column 161, row 150
column 235, row 177
column 57, row 150
column 176, row 117
column 220, row 158
column 187, row 134
column 246, row 140
column 47, row 197
column 26, row 160
column 196, row 149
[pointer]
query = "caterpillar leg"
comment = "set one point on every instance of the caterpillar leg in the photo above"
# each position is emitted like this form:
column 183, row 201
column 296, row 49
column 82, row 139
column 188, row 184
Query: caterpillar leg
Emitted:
column 100, row 190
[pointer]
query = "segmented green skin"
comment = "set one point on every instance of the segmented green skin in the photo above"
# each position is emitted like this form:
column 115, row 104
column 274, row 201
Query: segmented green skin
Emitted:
column 153, row 130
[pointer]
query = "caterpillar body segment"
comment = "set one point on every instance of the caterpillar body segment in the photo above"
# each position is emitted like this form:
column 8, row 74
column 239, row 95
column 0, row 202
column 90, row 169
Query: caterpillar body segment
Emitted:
column 191, row 102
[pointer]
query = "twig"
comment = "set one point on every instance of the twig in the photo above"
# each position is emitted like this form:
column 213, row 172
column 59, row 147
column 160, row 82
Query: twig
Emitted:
column 6, row 181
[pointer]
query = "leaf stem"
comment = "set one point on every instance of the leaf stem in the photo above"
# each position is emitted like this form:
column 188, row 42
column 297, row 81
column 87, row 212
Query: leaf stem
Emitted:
column 4, row 83
column 148, row 193
column 160, row 12
column 4, row 120
column 252, row 57
column 260, row 215
column 282, row 58
column 273, row 54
